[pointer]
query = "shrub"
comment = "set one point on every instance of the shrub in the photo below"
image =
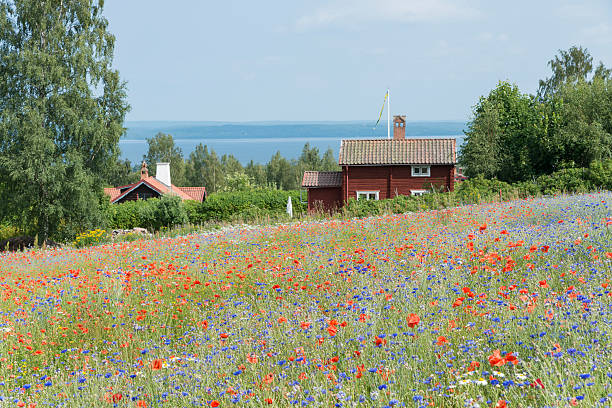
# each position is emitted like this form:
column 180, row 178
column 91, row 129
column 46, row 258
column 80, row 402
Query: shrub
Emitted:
column 564, row 181
column 8, row 231
column 168, row 211
column 246, row 206
column 600, row 174
column 152, row 214
column 480, row 189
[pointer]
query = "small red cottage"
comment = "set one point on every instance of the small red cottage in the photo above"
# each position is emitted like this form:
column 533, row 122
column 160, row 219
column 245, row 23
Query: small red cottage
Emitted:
column 377, row 169
column 152, row 187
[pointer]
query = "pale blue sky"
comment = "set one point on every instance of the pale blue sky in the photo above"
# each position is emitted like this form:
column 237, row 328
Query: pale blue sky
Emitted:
column 317, row 60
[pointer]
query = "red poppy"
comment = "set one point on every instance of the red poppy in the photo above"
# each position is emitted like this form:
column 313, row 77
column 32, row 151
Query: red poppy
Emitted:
column 413, row 320
column 458, row 301
column 157, row 364
column 497, row 360
column 215, row 403
column 441, row 340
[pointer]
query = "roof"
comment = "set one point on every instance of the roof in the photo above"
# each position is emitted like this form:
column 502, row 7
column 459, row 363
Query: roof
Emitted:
column 196, row 193
column 322, row 179
column 390, row 151
column 112, row 192
column 185, row 193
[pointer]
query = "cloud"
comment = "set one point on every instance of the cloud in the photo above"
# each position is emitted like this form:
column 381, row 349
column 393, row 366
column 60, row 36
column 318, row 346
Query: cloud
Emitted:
column 405, row 11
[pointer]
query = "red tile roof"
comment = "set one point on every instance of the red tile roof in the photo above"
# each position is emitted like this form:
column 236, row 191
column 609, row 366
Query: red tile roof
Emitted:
column 390, row 151
column 162, row 188
column 322, row 179
column 112, row 192
column 185, row 193
column 196, row 193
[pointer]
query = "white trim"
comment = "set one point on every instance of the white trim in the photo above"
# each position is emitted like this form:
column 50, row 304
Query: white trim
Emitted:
column 420, row 172
column 135, row 187
column 368, row 193
column 418, row 192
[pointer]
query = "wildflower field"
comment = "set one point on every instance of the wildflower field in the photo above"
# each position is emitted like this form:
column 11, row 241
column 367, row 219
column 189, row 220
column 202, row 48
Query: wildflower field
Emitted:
column 496, row 305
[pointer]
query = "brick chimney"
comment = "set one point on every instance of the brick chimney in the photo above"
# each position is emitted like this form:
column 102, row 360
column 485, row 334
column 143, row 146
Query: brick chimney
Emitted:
column 144, row 172
column 399, row 127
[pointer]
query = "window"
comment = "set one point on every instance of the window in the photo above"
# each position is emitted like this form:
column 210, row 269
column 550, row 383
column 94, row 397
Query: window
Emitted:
column 367, row 195
column 418, row 192
column 420, row 171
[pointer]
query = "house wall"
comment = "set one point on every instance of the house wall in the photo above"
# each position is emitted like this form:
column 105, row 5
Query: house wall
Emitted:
column 326, row 199
column 141, row 192
column 392, row 180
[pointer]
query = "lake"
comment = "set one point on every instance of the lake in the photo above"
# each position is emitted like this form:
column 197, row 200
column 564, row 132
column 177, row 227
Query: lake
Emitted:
column 258, row 141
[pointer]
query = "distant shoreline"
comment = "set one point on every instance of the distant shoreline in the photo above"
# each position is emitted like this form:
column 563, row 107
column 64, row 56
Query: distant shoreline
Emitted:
column 259, row 141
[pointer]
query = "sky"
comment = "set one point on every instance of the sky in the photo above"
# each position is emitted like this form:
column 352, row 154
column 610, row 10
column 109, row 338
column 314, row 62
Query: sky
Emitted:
column 333, row 60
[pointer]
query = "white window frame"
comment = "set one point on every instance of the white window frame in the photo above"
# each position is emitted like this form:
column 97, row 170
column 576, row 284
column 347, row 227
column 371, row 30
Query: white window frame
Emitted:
column 420, row 172
column 368, row 194
column 418, row 192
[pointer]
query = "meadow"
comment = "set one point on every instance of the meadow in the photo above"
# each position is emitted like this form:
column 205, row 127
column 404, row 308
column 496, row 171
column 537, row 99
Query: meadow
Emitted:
column 493, row 305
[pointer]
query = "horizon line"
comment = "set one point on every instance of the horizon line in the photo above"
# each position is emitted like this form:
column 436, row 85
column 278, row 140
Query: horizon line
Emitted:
column 287, row 121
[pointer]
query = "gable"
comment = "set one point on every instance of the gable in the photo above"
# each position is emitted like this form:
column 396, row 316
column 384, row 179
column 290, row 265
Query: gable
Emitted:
column 138, row 191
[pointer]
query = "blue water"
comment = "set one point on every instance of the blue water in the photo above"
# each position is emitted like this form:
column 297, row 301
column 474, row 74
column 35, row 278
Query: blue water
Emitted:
column 258, row 141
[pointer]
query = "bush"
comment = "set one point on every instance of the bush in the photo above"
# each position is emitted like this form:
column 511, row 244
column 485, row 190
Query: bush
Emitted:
column 152, row 214
column 168, row 212
column 564, row 181
column 8, row 231
column 245, row 206
column 479, row 189
column 600, row 174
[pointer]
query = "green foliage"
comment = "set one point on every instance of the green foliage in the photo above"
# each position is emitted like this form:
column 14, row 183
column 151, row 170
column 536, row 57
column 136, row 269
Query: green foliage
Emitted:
column 62, row 107
column 564, row 181
column 131, row 214
column 8, row 231
column 480, row 189
column 281, row 174
column 569, row 66
column 168, row 212
column 481, row 151
column 152, row 214
column 516, row 137
column 600, row 174
column 122, row 173
column 500, row 139
column 238, row 181
column 245, row 206
column 163, row 150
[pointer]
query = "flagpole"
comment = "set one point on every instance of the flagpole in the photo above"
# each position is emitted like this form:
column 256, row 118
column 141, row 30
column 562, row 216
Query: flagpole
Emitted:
column 388, row 114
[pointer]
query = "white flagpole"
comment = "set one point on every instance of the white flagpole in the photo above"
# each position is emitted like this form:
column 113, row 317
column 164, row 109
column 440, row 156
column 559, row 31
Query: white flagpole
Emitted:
column 388, row 114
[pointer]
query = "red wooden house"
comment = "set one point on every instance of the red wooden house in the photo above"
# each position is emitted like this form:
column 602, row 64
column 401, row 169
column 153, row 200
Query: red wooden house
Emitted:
column 152, row 187
column 376, row 169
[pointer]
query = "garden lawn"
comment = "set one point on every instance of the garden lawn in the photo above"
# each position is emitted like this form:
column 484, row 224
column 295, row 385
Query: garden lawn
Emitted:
column 492, row 305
